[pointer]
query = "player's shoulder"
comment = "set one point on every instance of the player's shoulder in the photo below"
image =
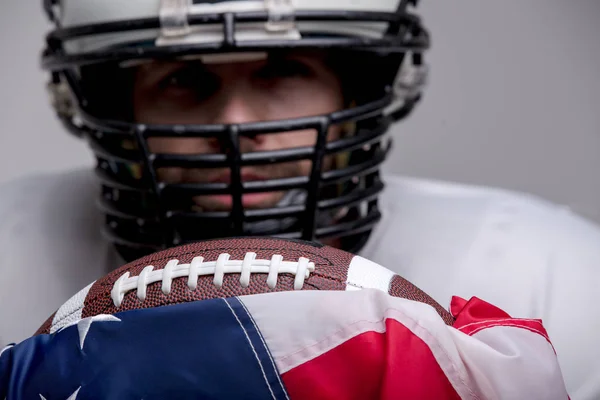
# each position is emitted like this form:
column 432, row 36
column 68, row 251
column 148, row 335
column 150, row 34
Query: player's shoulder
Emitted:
column 51, row 246
column 437, row 233
column 43, row 188
column 481, row 210
column 49, row 204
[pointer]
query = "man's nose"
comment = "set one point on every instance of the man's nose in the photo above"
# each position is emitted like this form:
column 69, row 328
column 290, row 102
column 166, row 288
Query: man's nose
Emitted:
column 237, row 108
column 235, row 105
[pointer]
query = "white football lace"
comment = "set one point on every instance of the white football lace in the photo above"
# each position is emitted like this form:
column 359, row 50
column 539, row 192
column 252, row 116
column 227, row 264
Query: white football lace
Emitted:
column 249, row 265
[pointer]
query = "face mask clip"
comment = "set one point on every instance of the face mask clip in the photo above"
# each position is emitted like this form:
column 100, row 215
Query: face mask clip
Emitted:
column 173, row 15
column 281, row 16
column 61, row 98
column 411, row 80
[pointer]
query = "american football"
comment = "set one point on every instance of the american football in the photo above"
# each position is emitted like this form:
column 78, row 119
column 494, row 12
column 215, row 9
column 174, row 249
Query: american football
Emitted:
column 228, row 268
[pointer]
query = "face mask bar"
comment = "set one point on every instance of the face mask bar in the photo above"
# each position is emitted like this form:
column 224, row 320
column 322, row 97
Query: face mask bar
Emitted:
column 232, row 158
column 160, row 225
column 410, row 36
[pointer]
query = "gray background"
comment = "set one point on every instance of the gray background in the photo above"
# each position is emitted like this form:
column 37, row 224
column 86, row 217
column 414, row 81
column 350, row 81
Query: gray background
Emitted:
column 513, row 100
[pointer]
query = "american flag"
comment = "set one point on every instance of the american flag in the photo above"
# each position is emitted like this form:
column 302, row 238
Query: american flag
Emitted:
column 290, row 345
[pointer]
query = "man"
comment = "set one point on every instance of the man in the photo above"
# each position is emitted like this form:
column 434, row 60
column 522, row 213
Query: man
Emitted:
column 218, row 119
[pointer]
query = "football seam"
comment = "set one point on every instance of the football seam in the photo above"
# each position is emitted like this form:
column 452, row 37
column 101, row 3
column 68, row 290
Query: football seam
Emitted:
column 103, row 285
column 356, row 285
column 169, row 297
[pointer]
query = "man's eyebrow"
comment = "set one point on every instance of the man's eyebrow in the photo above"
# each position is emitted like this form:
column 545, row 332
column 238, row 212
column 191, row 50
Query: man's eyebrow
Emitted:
column 166, row 67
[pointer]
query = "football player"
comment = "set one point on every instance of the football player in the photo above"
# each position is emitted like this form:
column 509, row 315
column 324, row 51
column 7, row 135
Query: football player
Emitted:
column 213, row 119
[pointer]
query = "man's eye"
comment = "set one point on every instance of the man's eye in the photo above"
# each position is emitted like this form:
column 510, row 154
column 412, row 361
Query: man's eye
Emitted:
column 191, row 79
column 284, row 69
column 184, row 77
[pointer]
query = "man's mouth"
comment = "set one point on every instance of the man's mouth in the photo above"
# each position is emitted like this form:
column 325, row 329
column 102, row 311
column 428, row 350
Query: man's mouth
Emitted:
column 249, row 200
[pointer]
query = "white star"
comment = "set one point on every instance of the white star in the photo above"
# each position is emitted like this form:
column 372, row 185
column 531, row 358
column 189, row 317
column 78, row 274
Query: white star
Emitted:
column 71, row 397
column 83, row 326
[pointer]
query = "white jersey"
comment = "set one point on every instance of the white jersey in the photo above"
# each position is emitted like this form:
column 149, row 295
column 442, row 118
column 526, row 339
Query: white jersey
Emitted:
column 527, row 256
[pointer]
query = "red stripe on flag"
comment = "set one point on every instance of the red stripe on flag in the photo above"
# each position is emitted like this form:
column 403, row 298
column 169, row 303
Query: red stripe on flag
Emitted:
column 474, row 310
column 373, row 365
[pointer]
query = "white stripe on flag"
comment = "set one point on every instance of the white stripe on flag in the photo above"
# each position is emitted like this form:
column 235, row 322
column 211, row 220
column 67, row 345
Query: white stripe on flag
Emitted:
column 509, row 362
